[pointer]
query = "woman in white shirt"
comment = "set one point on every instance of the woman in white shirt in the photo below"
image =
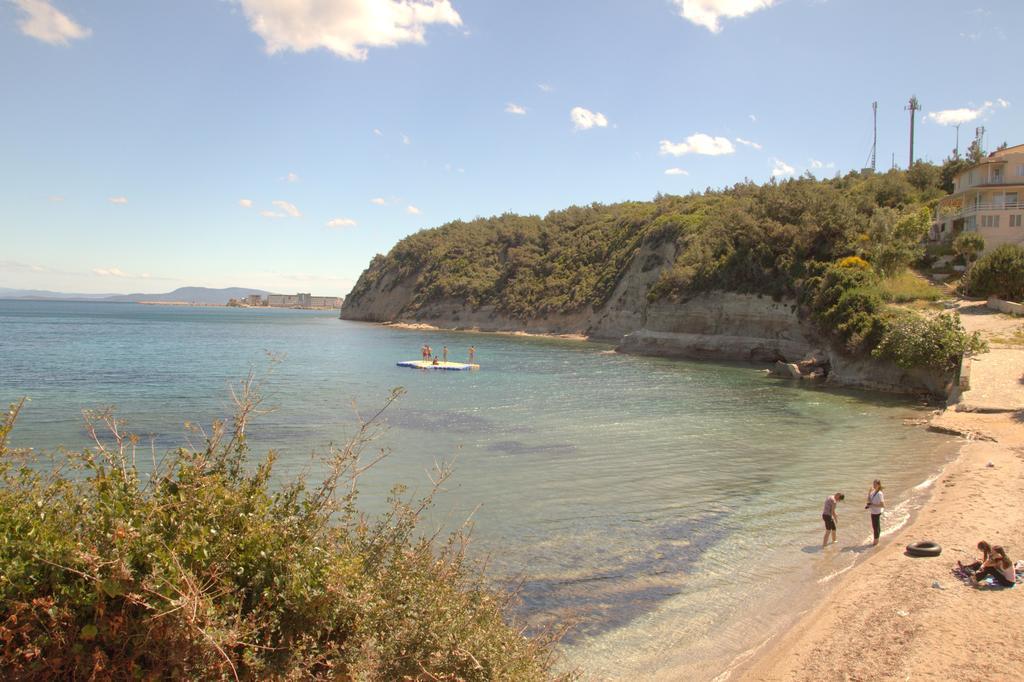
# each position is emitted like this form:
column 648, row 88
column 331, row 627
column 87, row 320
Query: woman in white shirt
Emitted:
column 876, row 503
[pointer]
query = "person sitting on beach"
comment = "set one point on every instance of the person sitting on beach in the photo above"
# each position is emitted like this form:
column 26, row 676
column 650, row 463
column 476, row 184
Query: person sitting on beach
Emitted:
column 829, row 516
column 435, row 362
column 999, row 566
column 986, row 553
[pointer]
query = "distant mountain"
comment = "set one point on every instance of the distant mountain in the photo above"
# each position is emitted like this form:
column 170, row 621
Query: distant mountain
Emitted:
column 203, row 295
column 41, row 294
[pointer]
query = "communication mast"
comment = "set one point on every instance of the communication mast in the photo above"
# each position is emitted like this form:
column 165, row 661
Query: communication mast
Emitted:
column 913, row 106
column 874, row 132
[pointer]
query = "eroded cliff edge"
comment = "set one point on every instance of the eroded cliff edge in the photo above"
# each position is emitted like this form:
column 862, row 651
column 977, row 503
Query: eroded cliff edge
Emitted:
column 714, row 325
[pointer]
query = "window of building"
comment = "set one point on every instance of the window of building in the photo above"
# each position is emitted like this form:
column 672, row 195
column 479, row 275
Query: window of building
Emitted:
column 990, row 221
column 1015, row 219
column 1020, row 170
column 970, row 178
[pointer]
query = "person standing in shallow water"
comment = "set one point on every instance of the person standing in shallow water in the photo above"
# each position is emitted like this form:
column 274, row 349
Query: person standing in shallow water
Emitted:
column 876, row 503
column 829, row 516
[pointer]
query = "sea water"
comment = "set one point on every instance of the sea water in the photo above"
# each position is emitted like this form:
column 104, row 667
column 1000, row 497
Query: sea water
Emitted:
column 669, row 509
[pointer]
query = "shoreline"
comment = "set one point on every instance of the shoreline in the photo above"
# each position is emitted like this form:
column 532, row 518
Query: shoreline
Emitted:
column 882, row 617
column 423, row 326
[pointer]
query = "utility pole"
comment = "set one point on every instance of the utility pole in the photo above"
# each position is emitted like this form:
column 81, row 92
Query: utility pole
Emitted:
column 956, row 149
column 913, row 106
column 874, row 133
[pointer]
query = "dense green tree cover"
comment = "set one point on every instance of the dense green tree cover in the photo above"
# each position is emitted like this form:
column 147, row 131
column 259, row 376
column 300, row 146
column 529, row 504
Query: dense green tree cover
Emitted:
column 203, row 568
column 825, row 243
column 748, row 238
column 1000, row 272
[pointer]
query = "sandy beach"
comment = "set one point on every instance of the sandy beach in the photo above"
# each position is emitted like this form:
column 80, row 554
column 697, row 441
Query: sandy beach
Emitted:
column 896, row 617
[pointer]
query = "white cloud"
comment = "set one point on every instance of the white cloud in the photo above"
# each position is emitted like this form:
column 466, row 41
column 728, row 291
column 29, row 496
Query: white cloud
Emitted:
column 676, row 171
column 413, row 210
column 544, row 87
column 378, row 201
column 272, row 214
column 377, row 132
column 513, row 108
column 56, row 198
column 707, row 13
column 585, row 119
column 405, row 139
column 952, row 117
column 748, row 143
column 291, row 177
column 338, row 223
column 120, row 201
column 245, row 203
column 752, row 118
column 345, row 27
column 819, row 165
column 43, row 22
column 110, row 272
column 782, row 169
column 288, row 208
column 698, row 143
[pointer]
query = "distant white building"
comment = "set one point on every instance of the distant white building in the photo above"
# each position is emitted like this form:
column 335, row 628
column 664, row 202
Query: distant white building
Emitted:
column 303, row 301
column 987, row 198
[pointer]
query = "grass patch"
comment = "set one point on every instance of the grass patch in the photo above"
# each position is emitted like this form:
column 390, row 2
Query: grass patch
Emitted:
column 1014, row 339
column 910, row 286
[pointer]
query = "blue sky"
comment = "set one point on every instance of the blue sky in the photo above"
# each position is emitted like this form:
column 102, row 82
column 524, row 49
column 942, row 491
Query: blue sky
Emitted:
column 280, row 144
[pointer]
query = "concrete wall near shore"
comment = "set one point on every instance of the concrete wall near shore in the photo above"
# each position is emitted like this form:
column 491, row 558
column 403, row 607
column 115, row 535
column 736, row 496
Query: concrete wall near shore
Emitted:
column 1007, row 307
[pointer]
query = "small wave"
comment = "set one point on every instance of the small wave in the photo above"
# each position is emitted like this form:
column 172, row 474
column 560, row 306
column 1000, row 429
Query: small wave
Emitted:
column 835, row 574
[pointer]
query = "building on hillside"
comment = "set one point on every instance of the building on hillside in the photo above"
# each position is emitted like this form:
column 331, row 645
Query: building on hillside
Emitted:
column 254, row 300
column 987, row 198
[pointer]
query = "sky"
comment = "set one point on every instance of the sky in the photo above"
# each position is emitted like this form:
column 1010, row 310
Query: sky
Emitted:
column 280, row 144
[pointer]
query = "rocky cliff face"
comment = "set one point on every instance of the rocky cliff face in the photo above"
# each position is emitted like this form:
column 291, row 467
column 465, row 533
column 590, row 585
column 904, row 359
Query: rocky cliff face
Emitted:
column 712, row 326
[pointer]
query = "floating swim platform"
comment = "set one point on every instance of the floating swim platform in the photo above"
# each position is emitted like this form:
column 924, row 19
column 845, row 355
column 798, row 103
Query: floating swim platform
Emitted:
column 426, row 364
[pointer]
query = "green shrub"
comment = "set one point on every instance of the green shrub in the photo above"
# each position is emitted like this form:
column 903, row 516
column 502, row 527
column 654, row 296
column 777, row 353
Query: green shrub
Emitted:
column 999, row 272
column 915, row 341
column 203, row 569
column 968, row 245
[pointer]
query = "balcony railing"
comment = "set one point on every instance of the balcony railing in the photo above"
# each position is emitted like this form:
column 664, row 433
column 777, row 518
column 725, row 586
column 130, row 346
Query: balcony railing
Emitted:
column 974, row 208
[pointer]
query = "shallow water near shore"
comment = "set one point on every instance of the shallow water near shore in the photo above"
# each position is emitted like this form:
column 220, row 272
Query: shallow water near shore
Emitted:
column 671, row 509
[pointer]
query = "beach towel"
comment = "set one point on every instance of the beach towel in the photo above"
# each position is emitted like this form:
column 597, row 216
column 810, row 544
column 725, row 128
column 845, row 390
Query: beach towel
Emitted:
column 988, row 582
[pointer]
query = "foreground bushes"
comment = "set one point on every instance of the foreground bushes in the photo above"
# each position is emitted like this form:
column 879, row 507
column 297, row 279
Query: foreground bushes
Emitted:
column 203, row 570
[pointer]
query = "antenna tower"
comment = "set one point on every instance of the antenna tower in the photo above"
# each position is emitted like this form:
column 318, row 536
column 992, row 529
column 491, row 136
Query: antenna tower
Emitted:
column 956, row 149
column 913, row 106
column 874, row 132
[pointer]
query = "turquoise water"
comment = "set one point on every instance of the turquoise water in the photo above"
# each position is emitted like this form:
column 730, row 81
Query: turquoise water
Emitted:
column 670, row 509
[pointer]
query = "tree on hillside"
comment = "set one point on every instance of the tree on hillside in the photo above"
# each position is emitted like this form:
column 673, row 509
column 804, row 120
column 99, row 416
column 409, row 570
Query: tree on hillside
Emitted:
column 893, row 240
column 975, row 153
column 924, row 176
column 950, row 169
column 969, row 245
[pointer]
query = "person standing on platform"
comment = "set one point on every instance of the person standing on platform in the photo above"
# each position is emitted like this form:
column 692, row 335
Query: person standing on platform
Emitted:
column 472, row 354
column 444, row 352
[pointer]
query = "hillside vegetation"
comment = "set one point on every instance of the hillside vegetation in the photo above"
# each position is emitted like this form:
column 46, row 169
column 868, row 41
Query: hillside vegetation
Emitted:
column 829, row 244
